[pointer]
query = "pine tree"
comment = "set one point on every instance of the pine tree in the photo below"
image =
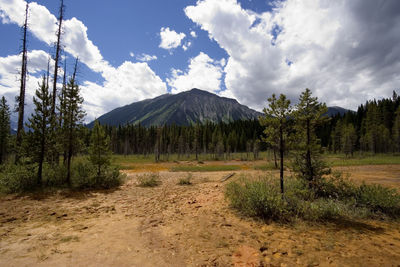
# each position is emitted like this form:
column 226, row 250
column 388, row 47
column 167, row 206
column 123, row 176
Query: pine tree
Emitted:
column 276, row 121
column 41, row 124
column 308, row 115
column 349, row 139
column 99, row 151
column 73, row 121
column 396, row 129
column 4, row 129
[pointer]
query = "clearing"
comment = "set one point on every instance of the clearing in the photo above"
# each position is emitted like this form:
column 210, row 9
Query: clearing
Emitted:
column 173, row 225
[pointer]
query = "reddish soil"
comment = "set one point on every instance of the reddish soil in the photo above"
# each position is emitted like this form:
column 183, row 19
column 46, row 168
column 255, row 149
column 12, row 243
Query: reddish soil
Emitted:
column 172, row 225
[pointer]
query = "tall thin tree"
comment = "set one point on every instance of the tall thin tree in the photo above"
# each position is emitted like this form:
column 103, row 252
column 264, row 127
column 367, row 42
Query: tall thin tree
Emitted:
column 73, row 121
column 307, row 162
column 21, row 97
column 57, row 56
column 4, row 129
column 41, row 123
column 277, row 129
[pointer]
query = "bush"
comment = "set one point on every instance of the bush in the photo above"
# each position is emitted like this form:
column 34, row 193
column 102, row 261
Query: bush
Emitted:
column 259, row 198
column 54, row 175
column 334, row 198
column 149, row 180
column 379, row 199
column 84, row 175
column 336, row 186
column 18, row 178
column 185, row 181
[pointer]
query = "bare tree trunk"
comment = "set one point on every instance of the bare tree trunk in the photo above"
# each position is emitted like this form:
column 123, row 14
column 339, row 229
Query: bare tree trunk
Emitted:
column 57, row 57
column 63, row 93
column 309, row 167
column 21, row 98
column 281, row 151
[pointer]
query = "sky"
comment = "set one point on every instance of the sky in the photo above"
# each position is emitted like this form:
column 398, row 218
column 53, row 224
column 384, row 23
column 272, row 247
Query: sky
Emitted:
column 346, row 52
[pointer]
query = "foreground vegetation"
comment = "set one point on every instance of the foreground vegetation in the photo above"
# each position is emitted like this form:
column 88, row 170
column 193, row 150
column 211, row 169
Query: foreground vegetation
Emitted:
column 334, row 198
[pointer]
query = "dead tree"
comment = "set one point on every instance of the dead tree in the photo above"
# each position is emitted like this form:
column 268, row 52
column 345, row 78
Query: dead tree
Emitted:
column 57, row 57
column 21, row 97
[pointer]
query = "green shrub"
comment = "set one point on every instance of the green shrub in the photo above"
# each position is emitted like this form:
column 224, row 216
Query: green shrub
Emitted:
column 325, row 209
column 84, row 175
column 54, row 175
column 336, row 186
column 186, row 180
column 149, row 180
column 333, row 199
column 379, row 199
column 18, row 178
column 259, row 198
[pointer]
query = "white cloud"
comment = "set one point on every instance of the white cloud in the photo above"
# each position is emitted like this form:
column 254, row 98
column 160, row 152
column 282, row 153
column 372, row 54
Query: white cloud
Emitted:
column 131, row 54
column 203, row 73
column 345, row 51
column 170, row 39
column 186, row 45
column 10, row 78
column 128, row 83
column 146, row 57
column 193, row 34
column 117, row 87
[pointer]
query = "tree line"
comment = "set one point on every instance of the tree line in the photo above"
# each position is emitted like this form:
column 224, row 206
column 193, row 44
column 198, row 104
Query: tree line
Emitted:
column 219, row 140
column 374, row 128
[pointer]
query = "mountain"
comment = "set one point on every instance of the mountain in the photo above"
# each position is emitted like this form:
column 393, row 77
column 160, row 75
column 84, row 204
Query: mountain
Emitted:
column 182, row 109
column 332, row 111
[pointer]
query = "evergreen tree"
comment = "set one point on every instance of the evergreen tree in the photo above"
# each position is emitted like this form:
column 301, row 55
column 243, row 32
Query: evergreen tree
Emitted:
column 4, row 129
column 348, row 140
column 99, row 151
column 396, row 130
column 336, row 137
column 72, row 123
column 41, row 123
column 277, row 127
column 308, row 115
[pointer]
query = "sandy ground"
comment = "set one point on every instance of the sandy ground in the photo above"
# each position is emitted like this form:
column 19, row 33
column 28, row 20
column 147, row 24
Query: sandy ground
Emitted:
column 172, row 225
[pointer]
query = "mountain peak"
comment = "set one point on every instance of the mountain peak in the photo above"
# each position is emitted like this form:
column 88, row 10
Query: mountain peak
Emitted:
column 184, row 108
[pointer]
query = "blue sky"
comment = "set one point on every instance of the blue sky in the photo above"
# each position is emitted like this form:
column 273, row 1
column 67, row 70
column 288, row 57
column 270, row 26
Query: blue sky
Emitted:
column 246, row 49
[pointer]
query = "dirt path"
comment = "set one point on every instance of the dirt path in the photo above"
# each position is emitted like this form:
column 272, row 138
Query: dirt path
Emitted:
column 173, row 225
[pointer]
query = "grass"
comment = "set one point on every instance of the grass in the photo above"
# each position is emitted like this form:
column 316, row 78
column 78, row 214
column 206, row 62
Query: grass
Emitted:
column 205, row 168
column 134, row 162
column 149, row 180
column 186, row 180
column 125, row 160
column 362, row 159
column 270, row 165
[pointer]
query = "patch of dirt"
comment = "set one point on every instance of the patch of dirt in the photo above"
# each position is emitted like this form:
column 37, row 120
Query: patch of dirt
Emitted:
column 387, row 175
column 172, row 225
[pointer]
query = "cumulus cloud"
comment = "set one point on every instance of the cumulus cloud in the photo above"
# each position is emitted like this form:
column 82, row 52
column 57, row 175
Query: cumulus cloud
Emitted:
column 345, row 51
column 170, row 39
column 131, row 54
column 145, row 57
column 128, row 83
column 117, row 87
column 10, row 78
column 193, row 34
column 203, row 72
